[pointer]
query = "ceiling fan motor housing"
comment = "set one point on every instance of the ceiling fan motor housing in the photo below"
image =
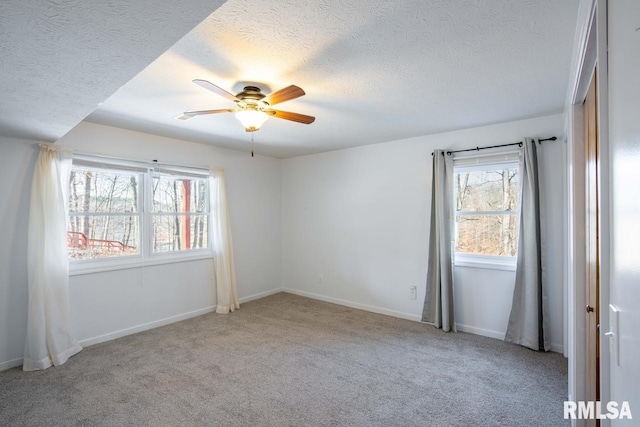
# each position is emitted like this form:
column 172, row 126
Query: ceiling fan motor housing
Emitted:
column 250, row 93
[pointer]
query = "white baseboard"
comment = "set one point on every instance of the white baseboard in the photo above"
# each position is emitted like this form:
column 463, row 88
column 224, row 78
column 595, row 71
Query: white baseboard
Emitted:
column 10, row 364
column 480, row 331
column 124, row 332
column 557, row 348
column 416, row 318
column 172, row 319
column 260, row 295
column 162, row 322
column 145, row 326
column 351, row 304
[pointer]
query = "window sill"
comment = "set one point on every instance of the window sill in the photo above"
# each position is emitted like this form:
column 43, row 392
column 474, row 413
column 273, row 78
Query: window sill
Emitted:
column 134, row 262
column 486, row 262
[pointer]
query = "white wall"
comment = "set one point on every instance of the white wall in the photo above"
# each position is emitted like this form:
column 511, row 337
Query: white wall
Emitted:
column 624, row 150
column 359, row 217
column 110, row 304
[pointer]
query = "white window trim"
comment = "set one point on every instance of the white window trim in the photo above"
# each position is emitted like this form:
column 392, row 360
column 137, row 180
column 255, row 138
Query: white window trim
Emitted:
column 492, row 262
column 80, row 267
column 146, row 257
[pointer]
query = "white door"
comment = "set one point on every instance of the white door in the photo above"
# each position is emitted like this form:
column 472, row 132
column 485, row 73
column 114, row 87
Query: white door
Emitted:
column 624, row 152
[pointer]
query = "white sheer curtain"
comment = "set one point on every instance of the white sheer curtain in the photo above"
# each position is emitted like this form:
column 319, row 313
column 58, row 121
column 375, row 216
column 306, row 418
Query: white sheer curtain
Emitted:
column 49, row 340
column 528, row 322
column 227, row 295
column 438, row 302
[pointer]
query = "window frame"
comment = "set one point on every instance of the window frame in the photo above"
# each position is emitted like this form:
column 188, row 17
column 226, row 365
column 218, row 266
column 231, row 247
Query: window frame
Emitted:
column 151, row 214
column 146, row 256
column 488, row 163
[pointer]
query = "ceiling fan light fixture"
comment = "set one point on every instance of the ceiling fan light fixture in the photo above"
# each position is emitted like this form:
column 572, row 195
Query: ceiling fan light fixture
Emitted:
column 252, row 119
column 253, row 108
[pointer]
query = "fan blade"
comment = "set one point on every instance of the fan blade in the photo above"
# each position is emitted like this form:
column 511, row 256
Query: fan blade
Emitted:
column 286, row 94
column 215, row 89
column 294, row 117
column 188, row 114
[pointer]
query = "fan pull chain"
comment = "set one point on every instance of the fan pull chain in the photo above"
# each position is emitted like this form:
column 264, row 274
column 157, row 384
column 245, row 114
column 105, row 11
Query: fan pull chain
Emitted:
column 252, row 143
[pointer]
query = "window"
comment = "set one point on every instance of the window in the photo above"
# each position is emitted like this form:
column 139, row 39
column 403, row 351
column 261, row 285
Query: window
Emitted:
column 180, row 213
column 486, row 198
column 104, row 215
column 126, row 213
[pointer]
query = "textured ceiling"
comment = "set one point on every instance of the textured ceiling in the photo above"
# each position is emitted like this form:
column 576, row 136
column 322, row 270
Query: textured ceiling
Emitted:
column 60, row 59
column 373, row 70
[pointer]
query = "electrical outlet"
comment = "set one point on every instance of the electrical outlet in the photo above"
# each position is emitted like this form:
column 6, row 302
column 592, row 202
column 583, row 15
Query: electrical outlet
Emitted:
column 413, row 292
column 320, row 279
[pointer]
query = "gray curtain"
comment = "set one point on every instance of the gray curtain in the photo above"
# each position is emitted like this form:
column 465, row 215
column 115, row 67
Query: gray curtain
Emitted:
column 438, row 302
column 528, row 319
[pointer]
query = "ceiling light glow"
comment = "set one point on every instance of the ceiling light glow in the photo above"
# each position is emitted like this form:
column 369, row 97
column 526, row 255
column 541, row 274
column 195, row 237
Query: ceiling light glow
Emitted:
column 252, row 119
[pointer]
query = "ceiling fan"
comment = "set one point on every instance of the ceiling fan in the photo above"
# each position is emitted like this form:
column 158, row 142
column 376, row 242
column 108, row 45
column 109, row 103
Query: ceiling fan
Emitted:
column 253, row 107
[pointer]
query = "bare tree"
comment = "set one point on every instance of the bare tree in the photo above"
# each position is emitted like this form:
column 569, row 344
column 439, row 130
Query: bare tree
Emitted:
column 463, row 187
column 133, row 184
column 203, row 201
column 73, row 201
column 200, row 199
column 109, row 203
column 186, row 207
column 86, row 201
column 176, row 234
column 481, row 191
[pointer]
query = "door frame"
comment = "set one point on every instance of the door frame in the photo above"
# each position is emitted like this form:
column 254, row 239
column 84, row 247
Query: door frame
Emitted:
column 590, row 50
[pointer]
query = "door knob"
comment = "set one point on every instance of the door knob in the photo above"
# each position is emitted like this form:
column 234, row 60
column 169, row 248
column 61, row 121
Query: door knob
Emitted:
column 589, row 309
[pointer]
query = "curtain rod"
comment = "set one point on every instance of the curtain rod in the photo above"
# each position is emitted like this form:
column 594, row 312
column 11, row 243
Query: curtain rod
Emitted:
column 144, row 161
column 553, row 138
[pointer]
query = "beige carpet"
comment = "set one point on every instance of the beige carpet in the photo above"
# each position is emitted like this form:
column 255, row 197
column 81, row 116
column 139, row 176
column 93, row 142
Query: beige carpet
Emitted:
column 292, row 361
